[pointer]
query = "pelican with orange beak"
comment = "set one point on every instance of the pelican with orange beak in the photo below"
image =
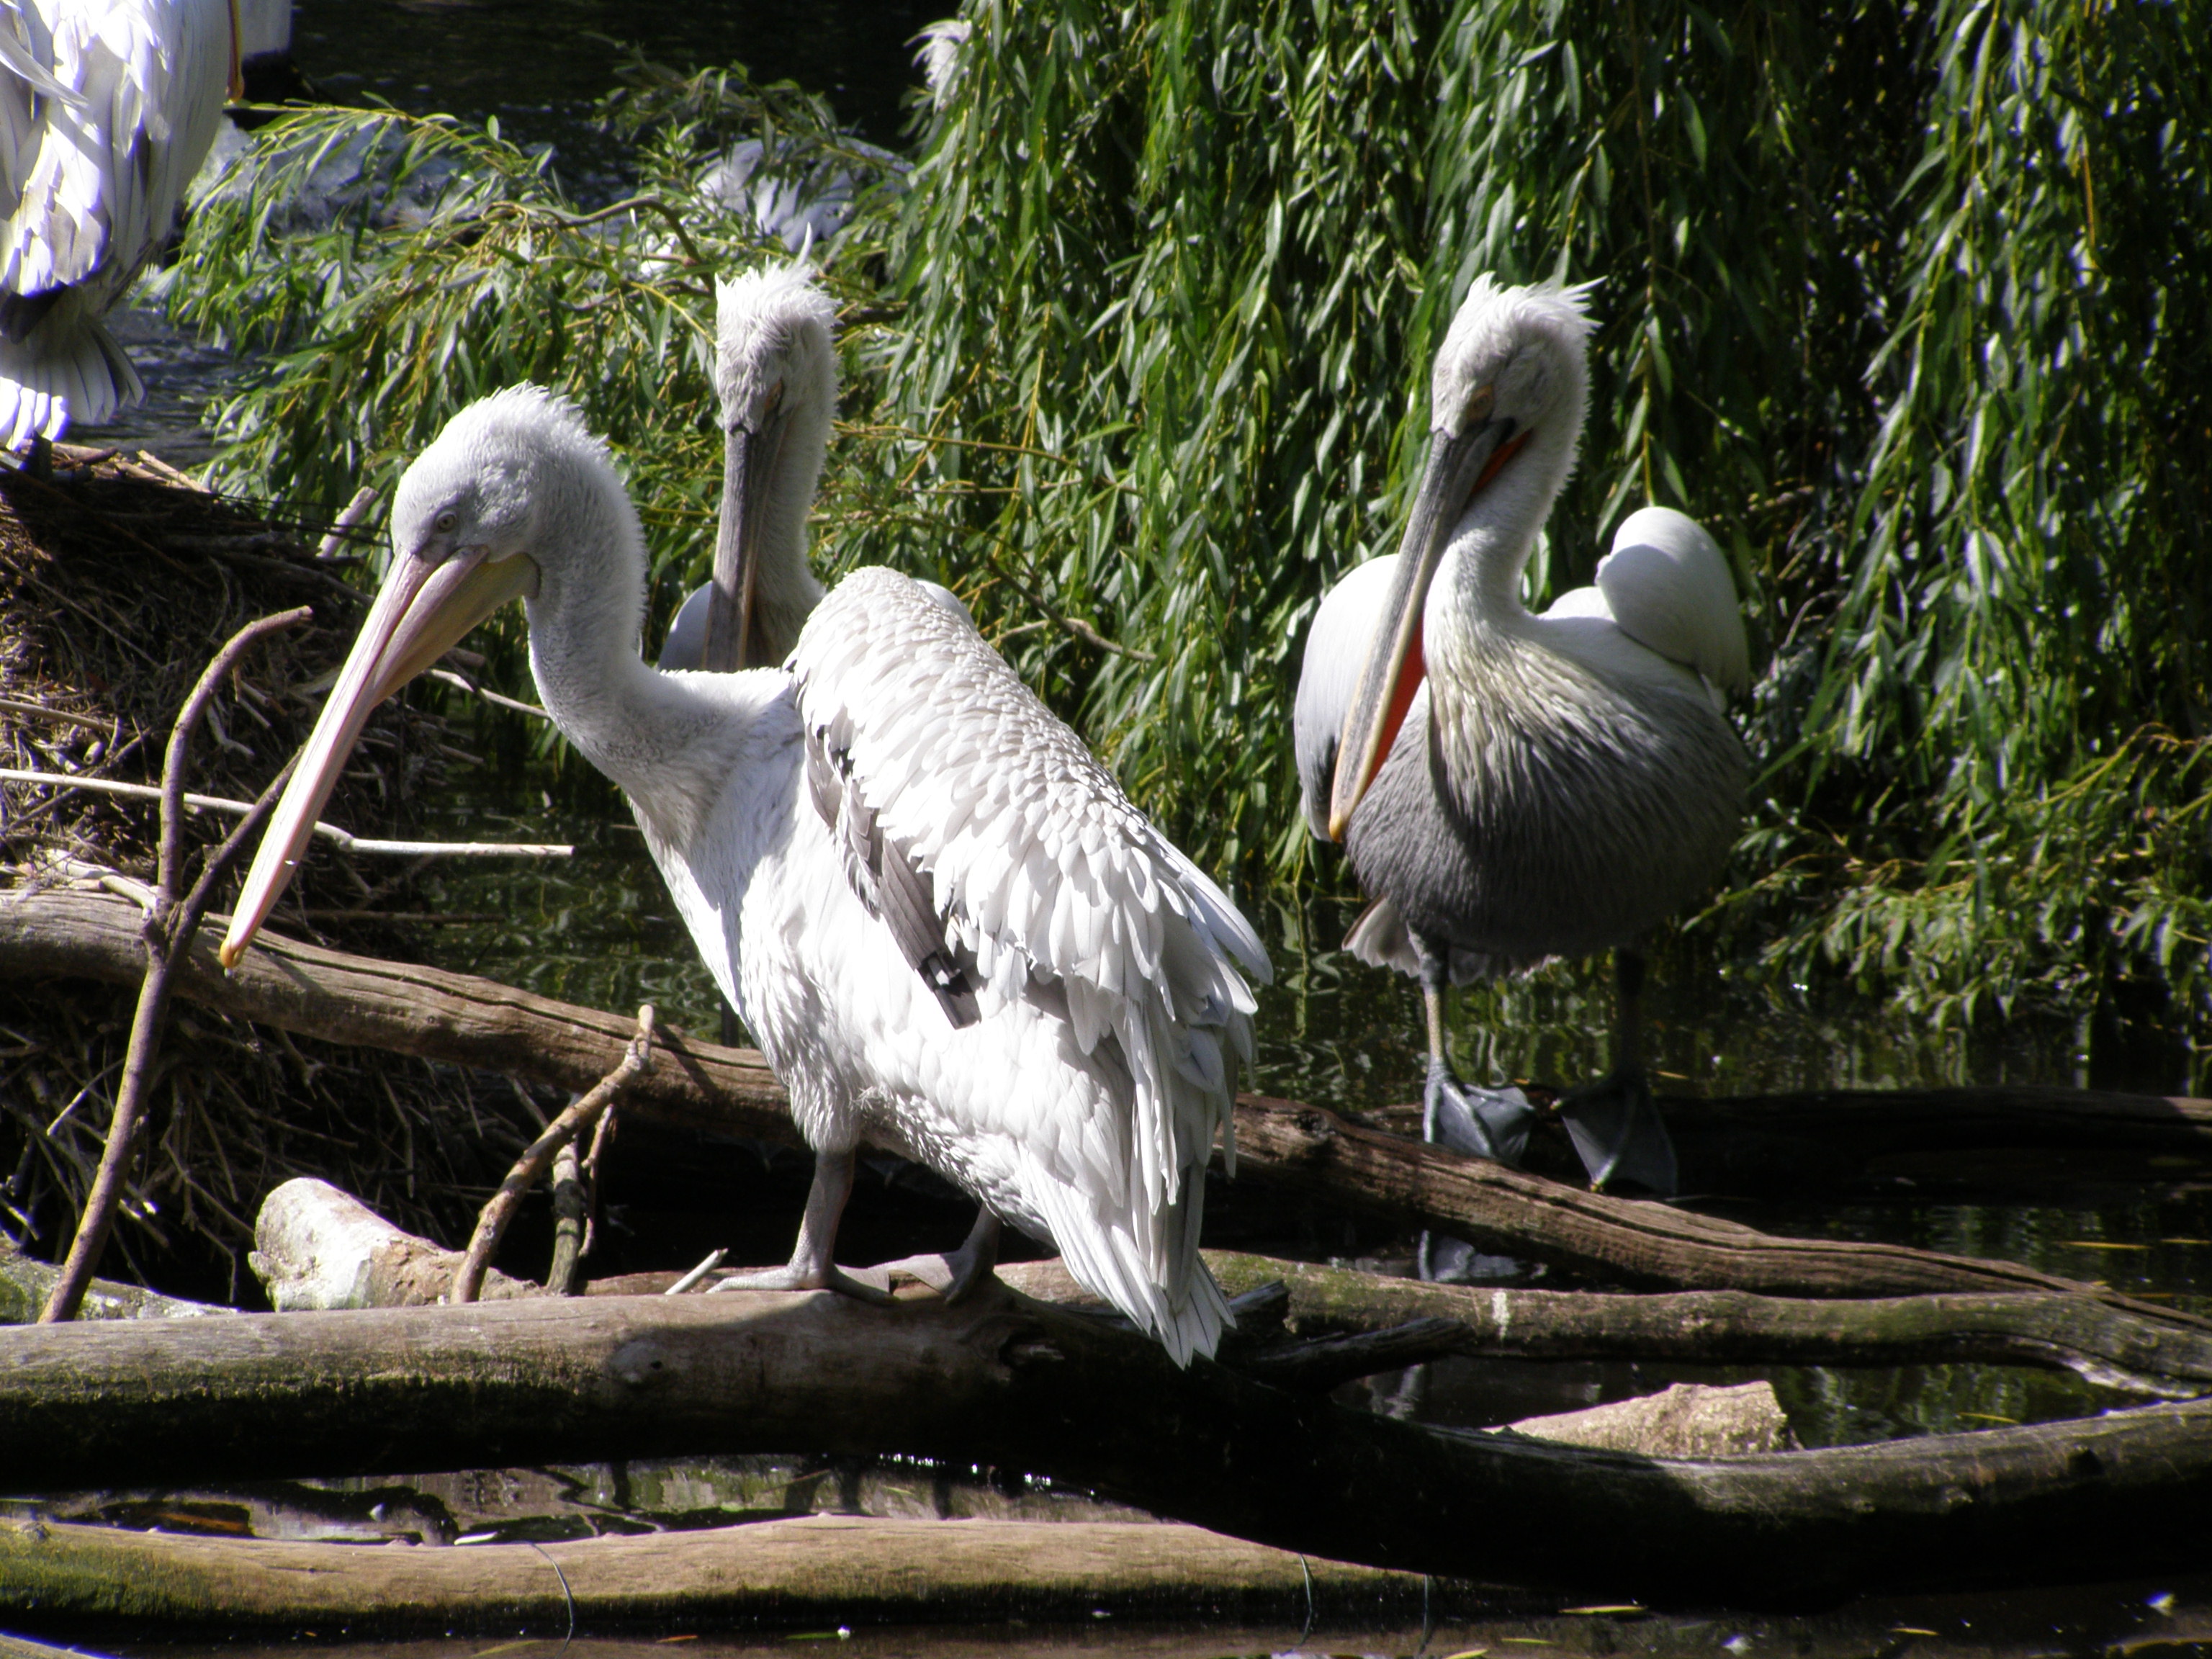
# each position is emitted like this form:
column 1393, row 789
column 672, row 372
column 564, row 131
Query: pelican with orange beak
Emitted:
column 1510, row 786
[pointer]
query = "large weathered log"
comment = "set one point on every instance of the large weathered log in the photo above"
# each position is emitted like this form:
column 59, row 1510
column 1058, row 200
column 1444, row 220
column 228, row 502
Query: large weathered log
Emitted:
column 27, row 1284
column 2009, row 1140
column 838, row 1569
column 315, row 1246
column 1309, row 1150
column 2113, row 1347
column 2116, row 1347
column 319, row 1248
column 455, row 1017
column 1004, row 1380
column 474, row 1022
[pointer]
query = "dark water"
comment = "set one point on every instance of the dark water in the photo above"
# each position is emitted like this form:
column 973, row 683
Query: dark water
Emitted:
column 538, row 64
column 599, row 930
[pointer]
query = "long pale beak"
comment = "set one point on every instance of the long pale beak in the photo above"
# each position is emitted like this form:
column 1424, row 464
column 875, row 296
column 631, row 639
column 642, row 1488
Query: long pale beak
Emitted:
column 1458, row 467
column 749, row 460
column 420, row 612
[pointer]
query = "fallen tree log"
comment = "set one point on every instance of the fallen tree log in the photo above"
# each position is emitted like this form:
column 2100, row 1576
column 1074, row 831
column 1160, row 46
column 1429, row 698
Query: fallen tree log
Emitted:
column 26, row 1283
column 2116, row 1347
column 1284, row 1144
column 833, row 1569
column 1008, row 1381
column 319, row 1247
column 454, row 1017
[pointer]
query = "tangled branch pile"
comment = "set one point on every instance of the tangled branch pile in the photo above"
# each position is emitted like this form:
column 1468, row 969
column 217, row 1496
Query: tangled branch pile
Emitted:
column 114, row 592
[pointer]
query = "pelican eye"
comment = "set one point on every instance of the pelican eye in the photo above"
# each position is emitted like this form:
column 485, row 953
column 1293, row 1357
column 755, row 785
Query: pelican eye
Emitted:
column 446, row 522
column 773, row 400
column 1479, row 406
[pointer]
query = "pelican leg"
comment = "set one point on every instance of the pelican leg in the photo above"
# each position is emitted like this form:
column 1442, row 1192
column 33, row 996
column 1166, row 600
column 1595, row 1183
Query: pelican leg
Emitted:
column 1613, row 1122
column 813, row 1266
column 954, row 1274
column 1492, row 1123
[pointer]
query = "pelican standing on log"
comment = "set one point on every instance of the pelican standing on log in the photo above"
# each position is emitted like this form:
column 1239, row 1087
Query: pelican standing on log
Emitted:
column 1510, row 786
column 951, row 933
column 106, row 109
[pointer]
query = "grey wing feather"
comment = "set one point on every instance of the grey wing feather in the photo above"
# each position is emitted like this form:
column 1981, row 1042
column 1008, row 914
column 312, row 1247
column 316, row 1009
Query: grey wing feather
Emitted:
column 885, row 876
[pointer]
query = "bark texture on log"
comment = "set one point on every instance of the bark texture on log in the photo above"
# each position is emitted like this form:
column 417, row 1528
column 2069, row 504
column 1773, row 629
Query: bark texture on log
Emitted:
column 1685, row 1420
column 323, row 1248
column 26, row 1282
column 1017, row 1383
column 837, row 1568
column 455, row 1017
column 1306, row 1149
column 2126, row 1347
column 1309, row 1150
column 318, row 1247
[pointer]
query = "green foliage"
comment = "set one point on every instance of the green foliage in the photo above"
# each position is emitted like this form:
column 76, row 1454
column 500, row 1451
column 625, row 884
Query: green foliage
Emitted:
column 448, row 263
column 1904, row 301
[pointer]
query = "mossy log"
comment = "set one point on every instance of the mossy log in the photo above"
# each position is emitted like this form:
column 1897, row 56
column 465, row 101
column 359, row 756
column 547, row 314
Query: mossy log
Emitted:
column 2119, row 1348
column 1003, row 1380
column 833, row 1569
column 27, row 1282
column 320, row 1248
column 474, row 1022
column 2123, row 1348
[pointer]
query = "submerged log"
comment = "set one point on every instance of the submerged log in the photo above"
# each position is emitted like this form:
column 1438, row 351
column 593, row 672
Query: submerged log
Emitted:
column 1002, row 1380
column 1683, row 1420
column 833, row 1569
column 474, row 1022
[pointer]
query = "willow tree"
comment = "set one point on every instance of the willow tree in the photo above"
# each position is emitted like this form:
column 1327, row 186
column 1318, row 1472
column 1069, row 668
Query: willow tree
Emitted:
column 1902, row 300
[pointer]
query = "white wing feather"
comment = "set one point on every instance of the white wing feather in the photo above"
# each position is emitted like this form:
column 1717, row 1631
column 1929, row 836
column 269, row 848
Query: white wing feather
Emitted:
column 1336, row 651
column 1667, row 587
column 1057, row 886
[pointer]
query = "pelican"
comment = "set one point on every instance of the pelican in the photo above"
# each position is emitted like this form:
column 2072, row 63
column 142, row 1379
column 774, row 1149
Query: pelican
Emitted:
column 1511, row 786
column 949, row 930
column 106, row 109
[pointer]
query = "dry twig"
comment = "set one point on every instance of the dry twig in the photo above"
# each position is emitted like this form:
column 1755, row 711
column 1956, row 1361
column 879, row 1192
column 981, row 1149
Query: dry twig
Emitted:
column 168, row 933
column 579, row 1115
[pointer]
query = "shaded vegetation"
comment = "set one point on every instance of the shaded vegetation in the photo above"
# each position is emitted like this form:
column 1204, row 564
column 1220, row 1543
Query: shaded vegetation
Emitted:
column 1904, row 301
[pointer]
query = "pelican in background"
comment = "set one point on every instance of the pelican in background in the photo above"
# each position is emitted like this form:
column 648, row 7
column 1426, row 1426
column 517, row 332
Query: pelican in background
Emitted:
column 1511, row 786
column 772, row 330
column 951, row 933
column 106, row 109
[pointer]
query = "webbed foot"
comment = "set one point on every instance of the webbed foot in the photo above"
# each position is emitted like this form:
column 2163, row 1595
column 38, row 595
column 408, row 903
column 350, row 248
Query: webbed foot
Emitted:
column 802, row 1276
column 1492, row 1123
column 955, row 1273
column 1620, row 1135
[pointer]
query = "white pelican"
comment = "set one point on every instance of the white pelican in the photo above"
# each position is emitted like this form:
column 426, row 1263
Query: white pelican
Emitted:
column 951, row 933
column 1511, row 786
column 106, row 109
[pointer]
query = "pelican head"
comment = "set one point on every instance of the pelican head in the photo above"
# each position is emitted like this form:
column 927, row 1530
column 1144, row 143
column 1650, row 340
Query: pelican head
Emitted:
column 1506, row 401
column 776, row 372
column 472, row 525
